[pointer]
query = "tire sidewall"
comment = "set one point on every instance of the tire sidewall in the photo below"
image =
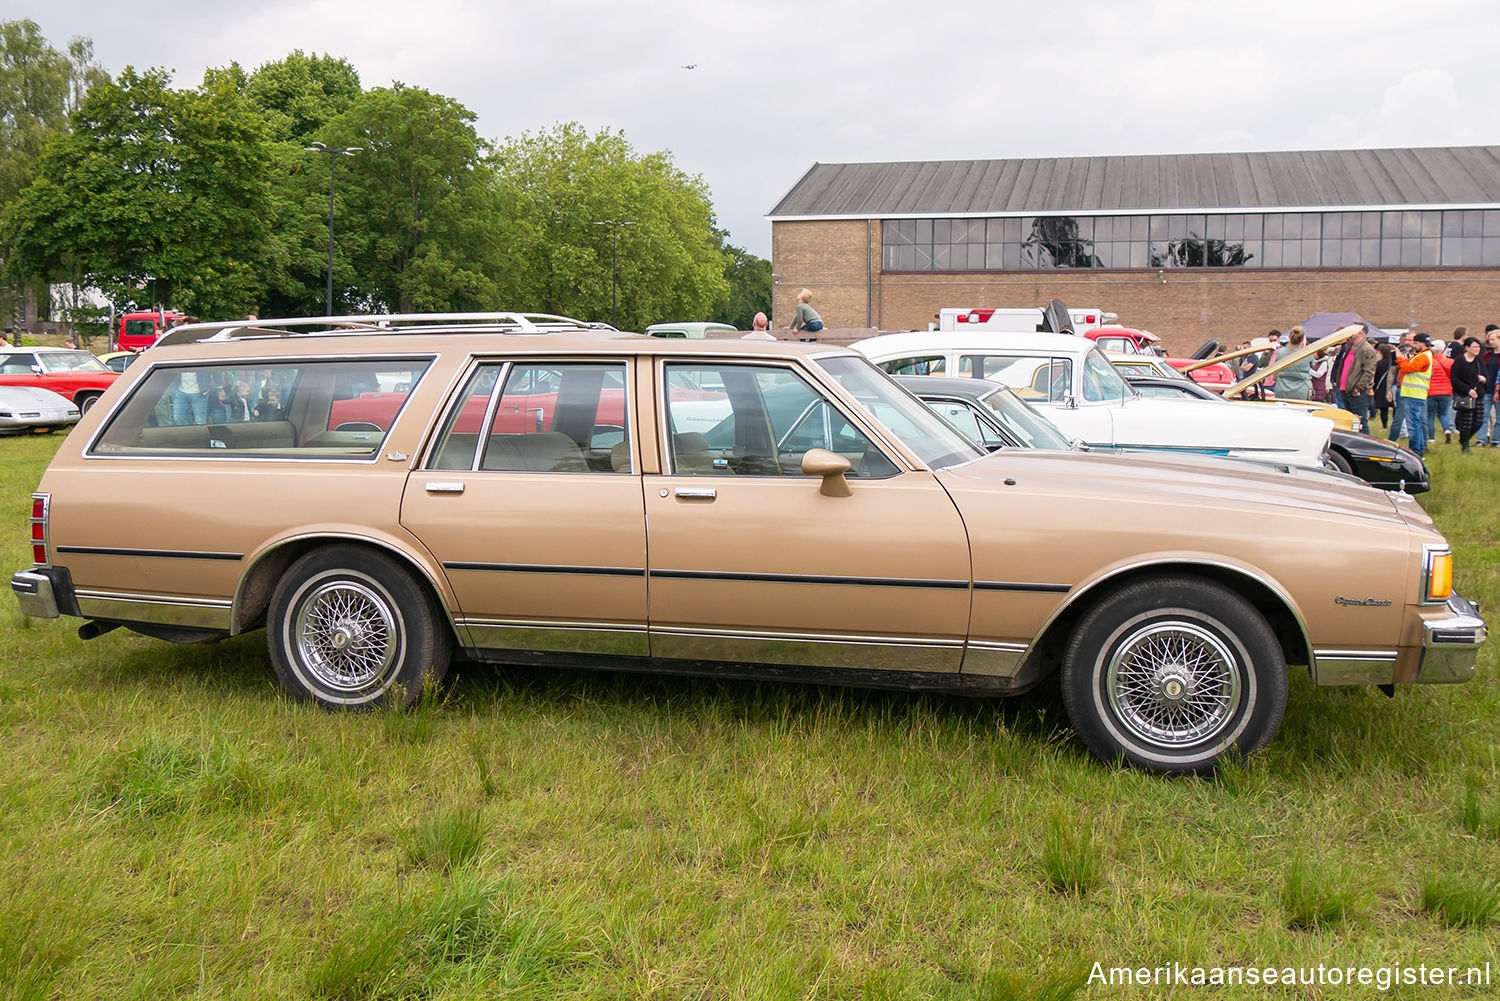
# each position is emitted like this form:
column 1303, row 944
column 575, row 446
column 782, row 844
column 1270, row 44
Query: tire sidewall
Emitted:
column 418, row 653
column 1255, row 664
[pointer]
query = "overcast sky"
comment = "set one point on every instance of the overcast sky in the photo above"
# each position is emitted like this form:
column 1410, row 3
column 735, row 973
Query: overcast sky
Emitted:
column 778, row 85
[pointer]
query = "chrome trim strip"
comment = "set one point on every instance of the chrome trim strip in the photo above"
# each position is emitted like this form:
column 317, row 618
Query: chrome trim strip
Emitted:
column 148, row 608
column 925, row 642
column 166, row 554
column 591, row 638
column 993, row 661
column 997, row 646
column 1389, row 655
column 546, row 568
column 555, row 624
column 155, row 599
column 787, row 578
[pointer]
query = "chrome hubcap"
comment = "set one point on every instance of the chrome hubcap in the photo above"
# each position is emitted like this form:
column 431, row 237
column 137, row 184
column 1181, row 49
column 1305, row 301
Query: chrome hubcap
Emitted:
column 345, row 632
column 1173, row 683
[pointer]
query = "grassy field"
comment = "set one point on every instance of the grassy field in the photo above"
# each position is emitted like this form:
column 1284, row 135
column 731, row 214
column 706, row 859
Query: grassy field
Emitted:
column 173, row 827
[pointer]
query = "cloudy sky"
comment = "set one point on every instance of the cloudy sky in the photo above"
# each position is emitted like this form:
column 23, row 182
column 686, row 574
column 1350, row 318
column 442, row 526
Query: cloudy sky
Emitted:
column 778, row 85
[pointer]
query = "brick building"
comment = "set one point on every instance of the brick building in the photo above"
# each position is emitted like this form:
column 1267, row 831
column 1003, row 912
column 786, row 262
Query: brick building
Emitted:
column 1194, row 246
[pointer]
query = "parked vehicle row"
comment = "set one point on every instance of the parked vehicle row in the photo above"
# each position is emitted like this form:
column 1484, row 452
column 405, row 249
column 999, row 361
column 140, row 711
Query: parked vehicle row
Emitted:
column 541, row 492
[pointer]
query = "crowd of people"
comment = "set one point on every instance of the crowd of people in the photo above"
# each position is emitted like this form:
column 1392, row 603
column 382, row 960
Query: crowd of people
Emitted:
column 1420, row 387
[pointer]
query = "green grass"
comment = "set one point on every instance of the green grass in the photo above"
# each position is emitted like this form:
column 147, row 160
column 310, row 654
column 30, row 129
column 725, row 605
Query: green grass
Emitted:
column 172, row 826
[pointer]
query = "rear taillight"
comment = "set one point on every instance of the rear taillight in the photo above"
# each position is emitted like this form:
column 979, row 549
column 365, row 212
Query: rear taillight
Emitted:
column 40, row 505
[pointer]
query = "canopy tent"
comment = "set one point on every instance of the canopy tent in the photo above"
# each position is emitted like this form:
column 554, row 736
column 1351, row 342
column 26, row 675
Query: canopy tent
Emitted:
column 1322, row 324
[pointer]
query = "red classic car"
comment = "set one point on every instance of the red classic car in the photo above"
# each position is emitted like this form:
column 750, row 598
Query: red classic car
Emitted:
column 76, row 375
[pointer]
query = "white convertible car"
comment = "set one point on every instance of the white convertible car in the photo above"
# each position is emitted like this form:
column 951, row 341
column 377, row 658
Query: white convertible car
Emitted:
column 1082, row 393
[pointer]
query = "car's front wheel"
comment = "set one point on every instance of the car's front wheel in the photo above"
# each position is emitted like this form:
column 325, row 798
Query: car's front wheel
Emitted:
column 86, row 402
column 1173, row 674
column 349, row 627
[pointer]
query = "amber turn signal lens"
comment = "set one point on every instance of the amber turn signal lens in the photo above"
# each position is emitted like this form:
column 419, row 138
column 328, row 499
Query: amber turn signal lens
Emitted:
column 1440, row 577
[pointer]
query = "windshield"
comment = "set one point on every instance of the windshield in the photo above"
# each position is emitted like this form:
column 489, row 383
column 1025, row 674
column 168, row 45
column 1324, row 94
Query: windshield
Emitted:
column 70, row 361
column 1101, row 383
column 1025, row 423
column 937, row 444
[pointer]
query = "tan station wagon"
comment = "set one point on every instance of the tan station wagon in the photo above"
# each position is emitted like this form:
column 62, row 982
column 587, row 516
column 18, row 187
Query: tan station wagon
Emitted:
column 378, row 492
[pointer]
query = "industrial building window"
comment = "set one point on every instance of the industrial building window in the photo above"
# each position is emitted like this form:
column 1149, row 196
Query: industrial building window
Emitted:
column 1397, row 239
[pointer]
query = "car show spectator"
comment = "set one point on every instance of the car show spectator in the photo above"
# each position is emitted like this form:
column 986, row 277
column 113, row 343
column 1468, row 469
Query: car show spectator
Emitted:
column 189, row 400
column 1318, row 372
column 1489, row 359
column 242, row 407
column 1440, row 395
column 1295, row 381
column 806, row 318
column 1469, row 385
column 1415, row 364
column 270, row 408
column 1359, row 379
column 760, row 329
column 1384, row 385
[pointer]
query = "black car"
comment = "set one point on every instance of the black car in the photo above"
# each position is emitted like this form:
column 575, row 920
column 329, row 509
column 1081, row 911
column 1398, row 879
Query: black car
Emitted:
column 1378, row 462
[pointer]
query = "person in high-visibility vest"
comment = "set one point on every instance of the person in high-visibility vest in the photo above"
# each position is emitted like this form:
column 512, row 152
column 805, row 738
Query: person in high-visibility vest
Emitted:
column 1416, row 377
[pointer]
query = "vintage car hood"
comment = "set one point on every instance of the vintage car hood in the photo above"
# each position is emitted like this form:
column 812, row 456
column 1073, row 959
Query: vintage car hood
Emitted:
column 1238, row 494
column 1189, row 424
column 32, row 398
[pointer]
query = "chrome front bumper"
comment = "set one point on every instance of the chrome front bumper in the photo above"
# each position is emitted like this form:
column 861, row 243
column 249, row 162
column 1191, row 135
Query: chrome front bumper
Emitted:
column 1450, row 645
column 34, row 591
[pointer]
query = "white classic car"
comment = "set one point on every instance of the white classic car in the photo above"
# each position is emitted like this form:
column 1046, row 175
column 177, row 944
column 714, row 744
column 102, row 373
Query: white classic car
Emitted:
column 1082, row 393
column 29, row 410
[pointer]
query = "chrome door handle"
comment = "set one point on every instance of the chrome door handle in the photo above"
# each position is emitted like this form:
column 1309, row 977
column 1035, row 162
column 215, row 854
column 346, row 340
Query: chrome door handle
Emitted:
column 696, row 493
column 445, row 488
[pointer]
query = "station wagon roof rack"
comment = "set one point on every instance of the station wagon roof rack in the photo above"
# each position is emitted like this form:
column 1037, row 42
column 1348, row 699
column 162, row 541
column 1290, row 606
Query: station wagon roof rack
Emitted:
column 377, row 323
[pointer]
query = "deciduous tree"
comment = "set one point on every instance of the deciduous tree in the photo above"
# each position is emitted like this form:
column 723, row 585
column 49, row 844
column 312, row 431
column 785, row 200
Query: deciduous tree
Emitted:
column 156, row 195
column 557, row 188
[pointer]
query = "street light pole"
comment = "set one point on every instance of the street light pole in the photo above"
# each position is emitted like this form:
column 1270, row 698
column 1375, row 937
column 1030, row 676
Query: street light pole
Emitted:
column 614, row 264
column 333, row 156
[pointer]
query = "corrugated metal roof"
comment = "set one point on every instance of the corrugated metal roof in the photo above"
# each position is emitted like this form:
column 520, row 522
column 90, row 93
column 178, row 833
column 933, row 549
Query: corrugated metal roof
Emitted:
column 1442, row 175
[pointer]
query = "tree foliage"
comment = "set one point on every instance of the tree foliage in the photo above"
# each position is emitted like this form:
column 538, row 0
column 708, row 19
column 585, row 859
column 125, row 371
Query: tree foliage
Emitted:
column 561, row 190
column 422, row 231
column 210, row 201
column 749, row 279
column 301, row 94
column 39, row 87
column 156, row 195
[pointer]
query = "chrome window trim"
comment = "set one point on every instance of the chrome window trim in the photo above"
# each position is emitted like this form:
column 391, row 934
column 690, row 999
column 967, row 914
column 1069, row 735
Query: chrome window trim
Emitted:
column 89, row 446
column 894, row 455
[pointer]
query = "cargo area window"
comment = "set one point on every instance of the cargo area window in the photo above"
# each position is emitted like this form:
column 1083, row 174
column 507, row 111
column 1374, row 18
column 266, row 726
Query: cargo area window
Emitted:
column 292, row 409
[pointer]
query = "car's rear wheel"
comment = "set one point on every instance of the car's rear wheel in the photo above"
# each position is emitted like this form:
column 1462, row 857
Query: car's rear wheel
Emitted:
column 86, row 402
column 349, row 627
column 1172, row 675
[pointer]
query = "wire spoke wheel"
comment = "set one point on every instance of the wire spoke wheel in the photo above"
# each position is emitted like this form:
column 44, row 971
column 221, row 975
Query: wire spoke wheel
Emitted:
column 1172, row 674
column 1173, row 683
column 351, row 628
column 346, row 634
